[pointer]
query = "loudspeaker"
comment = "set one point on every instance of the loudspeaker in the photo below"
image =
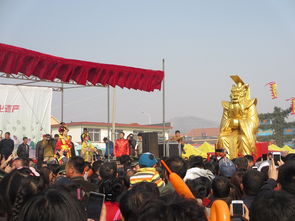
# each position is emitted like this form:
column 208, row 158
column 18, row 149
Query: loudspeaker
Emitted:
column 171, row 149
column 174, row 149
column 150, row 143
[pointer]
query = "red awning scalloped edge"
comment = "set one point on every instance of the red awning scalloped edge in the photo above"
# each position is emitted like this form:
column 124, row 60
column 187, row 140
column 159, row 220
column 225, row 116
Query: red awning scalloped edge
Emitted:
column 14, row 60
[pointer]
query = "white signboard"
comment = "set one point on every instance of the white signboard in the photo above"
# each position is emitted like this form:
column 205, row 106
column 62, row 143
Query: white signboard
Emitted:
column 25, row 111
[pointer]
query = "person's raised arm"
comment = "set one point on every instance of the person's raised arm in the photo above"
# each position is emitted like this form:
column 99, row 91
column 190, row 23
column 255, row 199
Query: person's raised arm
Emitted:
column 271, row 183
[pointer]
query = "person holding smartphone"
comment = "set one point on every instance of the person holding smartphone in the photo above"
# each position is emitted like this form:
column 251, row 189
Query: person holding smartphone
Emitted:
column 112, row 188
column 95, row 206
column 252, row 182
column 276, row 158
column 239, row 210
column 55, row 204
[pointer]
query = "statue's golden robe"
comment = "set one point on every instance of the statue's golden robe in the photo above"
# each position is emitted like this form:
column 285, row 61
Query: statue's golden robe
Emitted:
column 239, row 124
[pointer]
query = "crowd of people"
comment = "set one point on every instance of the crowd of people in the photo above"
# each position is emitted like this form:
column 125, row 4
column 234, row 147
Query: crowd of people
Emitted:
column 60, row 147
column 138, row 188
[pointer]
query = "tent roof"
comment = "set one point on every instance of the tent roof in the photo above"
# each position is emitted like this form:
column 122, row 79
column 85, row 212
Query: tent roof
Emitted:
column 15, row 60
column 206, row 147
column 274, row 147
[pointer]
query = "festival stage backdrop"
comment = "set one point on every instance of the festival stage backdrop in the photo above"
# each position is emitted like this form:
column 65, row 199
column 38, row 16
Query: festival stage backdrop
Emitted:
column 25, row 111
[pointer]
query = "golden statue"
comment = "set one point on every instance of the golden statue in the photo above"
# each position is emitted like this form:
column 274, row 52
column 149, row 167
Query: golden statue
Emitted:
column 239, row 122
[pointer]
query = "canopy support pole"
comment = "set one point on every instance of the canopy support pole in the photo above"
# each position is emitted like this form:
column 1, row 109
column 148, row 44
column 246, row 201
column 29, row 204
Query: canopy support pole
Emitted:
column 62, row 102
column 164, row 146
column 114, row 116
column 108, row 103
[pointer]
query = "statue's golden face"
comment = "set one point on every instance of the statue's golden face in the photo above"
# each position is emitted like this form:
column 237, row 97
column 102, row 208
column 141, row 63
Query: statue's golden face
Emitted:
column 238, row 92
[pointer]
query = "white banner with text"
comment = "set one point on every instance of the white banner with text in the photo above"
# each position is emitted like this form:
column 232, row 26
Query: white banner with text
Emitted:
column 25, row 112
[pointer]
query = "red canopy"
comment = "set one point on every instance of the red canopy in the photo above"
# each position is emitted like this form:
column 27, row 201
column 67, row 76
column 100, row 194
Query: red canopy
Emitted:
column 14, row 60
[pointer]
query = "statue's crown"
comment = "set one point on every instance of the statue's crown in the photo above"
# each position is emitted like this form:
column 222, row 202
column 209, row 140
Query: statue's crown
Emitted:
column 240, row 89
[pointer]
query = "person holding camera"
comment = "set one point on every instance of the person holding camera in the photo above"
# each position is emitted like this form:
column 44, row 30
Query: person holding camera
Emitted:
column 132, row 144
column 45, row 149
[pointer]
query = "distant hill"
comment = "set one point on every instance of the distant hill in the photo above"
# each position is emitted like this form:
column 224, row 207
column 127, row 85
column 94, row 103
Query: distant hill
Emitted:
column 185, row 124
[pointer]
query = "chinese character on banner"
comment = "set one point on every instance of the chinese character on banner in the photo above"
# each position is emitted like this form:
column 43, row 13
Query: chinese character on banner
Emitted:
column 15, row 107
column 292, row 104
column 273, row 89
column 8, row 108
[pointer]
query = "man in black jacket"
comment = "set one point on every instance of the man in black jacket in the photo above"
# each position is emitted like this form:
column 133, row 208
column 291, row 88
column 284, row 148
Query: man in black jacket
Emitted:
column 253, row 180
column 74, row 171
column 23, row 149
column 6, row 145
column 283, row 178
column 276, row 205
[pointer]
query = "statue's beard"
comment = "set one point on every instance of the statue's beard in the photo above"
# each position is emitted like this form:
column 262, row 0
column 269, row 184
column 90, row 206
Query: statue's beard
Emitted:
column 236, row 100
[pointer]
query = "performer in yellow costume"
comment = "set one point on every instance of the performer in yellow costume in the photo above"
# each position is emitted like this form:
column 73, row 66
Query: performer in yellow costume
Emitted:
column 87, row 150
column 239, row 122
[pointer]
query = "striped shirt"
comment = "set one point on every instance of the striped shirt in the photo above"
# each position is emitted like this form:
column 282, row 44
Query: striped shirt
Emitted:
column 148, row 174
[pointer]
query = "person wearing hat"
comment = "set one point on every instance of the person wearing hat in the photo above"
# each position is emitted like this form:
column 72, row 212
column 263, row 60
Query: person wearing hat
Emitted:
column 63, row 143
column 135, row 165
column 147, row 171
column 87, row 150
column 226, row 167
column 85, row 134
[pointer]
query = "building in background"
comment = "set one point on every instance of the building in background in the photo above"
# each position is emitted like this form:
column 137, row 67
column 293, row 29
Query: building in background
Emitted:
column 99, row 130
column 200, row 135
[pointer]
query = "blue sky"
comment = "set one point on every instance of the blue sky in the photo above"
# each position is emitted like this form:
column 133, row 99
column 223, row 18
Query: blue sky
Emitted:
column 203, row 42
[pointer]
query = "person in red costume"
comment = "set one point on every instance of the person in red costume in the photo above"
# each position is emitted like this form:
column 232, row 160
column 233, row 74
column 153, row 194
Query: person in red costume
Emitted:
column 63, row 145
column 121, row 146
